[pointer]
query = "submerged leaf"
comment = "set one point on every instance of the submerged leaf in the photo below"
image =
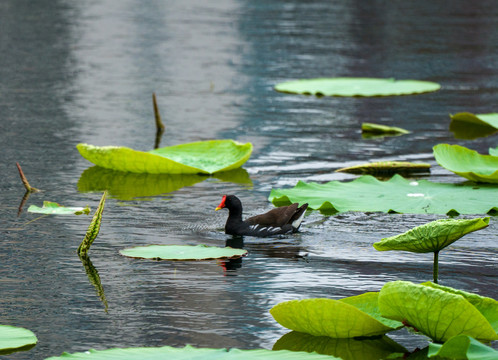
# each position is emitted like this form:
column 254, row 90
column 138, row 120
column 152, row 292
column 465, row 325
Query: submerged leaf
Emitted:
column 433, row 311
column 53, row 208
column 467, row 163
column 183, row 252
column 398, row 194
column 356, row 87
column 433, row 236
column 12, row 338
column 371, row 128
column 345, row 318
column 462, row 347
column 386, row 167
column 469, row 126
column 203, row 157
column 94, row 228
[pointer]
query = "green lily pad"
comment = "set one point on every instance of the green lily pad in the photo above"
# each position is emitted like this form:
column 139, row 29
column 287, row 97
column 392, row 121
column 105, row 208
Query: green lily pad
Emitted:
column 386, row 167
column 356, row 87
column 52, row 208
column 188, row 353
column 437, row 313
column 14, row 338
column 398, row 194
column 183, row 252
column 432, row 236
column 203, row 157
column 462, row 347
column 345, row 318
column 471, row 126
column 378, row 129
column 493, row 152
column 467, row 163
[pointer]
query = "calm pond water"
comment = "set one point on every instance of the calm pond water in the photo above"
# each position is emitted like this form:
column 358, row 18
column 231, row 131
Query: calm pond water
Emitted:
column 84, row 71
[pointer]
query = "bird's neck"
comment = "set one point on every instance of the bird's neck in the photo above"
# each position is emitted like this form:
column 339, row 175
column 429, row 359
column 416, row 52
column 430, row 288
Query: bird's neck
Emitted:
column 235, row 214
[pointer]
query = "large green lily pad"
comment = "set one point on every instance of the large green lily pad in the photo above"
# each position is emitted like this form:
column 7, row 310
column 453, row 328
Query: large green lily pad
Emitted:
column 203, row 157
column 188, row 353
column 471, row 126
column 467, row 163
column 345, row 318
column 356, row 87
column 52, row 208
column 462, row 347
column 12, row 338
column 433, row 236
column 437, row 313
column 386, row 168
column 183, row 252
column 398, row 194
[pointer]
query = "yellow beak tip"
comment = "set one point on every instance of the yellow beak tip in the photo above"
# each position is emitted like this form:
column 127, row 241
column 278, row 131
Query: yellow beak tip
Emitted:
column 218, row 208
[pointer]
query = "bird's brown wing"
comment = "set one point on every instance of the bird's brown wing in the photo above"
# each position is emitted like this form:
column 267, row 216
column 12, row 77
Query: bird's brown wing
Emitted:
column 275, row 217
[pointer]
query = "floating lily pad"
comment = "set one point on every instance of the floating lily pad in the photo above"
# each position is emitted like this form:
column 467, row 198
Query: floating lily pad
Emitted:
column 53, row 208
column 183, row 252
column 386, row 168
column 356, row 87
column 14, row 338
column 433, row 236
column 467, row 163
column 493, row 152
column 377, row 129
column 188, row 353
column 462, row 347
column 345, row 318
column 203, row 157
column 471, row 126
column 437, row 313
column 398, row 194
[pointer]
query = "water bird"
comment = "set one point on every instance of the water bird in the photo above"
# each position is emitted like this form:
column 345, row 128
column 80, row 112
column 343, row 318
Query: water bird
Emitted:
column 281, row 220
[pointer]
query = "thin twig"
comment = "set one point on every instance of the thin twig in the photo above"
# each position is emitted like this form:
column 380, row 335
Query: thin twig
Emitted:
column 159, row 124
column 24, row 180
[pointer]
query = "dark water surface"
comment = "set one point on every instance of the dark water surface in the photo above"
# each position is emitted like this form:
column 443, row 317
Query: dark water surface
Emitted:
column 84, row 71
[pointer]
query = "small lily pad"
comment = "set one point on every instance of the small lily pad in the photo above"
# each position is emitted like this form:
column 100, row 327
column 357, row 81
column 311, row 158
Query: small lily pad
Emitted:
column 437, row 313
column 203, row 157
column 471, row 126
column 183, row 252
column 386, row 168
column 378, row 129
column 345, row 318
column 433, row 236
column 467, row 163
column 462, row 347
column 52, row 208
column 12, row 338
column 356, row 87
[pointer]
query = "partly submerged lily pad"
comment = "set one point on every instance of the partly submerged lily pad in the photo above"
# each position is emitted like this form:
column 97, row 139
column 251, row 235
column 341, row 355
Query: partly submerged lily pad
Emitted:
column 53, row 208
column 462, row 347
column 467, row 163
column 386, row 168
column 378, row 129
column 471, row 126
column 183, row 252
column 432, row 236
column 14, row 338
column 203, row 157
column 437, row 313
column 345, row 318
column 398, row 194
column 356, row 87
column 188, row 353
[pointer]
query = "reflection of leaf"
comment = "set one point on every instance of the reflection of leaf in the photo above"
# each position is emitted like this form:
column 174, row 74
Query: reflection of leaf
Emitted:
column 436, row 313
column 188, row 353
column 433, row 236
column 469, row 126
column 93, row 228
column 386, row 167
column 467, row 163
column 345, row 318
column 366, row 193
column 370, row 128
column 462, row 347
column 126, row 185
column 203, row 157
column 53, row 208
column 14, row 338
column 356, row 87
column 346, row 349
column 93, row 276
column 182, row 252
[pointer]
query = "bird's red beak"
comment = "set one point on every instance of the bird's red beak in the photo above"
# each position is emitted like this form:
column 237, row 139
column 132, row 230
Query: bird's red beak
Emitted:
column 222, row 203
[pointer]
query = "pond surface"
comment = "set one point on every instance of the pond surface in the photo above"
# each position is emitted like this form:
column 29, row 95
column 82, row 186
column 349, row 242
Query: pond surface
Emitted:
column 85, row 71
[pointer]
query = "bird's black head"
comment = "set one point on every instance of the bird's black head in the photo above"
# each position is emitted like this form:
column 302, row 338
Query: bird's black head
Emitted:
column 229, row 202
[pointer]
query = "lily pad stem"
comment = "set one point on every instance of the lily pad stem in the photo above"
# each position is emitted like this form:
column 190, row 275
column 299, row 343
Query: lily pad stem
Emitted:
column 159, row 124
column 436, row 266
column 28, row 187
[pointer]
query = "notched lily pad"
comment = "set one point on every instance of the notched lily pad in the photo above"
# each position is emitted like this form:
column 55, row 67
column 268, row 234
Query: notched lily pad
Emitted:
column 52, row 208
column 472, row 126
column 203, row 157
column 433, row 236
column 467, row 163
column 183, row 252
column 437, row 313
column 356, row 87
column 398, row 194
column 378, row 129
column 345, row 318
column 14, row 338
column 462, row 347
column 387, row 168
